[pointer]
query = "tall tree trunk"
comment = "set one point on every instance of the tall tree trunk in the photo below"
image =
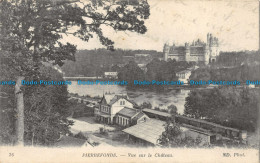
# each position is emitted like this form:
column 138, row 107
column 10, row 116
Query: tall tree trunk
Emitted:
column 19, row 126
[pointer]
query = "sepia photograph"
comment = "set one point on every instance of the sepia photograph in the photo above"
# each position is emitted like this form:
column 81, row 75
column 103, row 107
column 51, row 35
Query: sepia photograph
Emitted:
column 129, row 81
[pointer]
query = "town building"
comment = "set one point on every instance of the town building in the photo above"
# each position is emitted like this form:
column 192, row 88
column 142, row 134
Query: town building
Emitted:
column 184, row 76
column 200, row 124
column 143, row 55
column 198, row 51
column 110, row 75
column 118, row 109
column 143, row 67
column 149, row 132
column 130, row 116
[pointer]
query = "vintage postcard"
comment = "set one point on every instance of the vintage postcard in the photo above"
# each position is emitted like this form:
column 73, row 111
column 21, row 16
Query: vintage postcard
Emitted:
column 129, row 81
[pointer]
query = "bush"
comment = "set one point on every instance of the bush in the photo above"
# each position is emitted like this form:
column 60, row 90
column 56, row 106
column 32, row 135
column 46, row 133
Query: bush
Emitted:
column 80, row 135
column 103, row 131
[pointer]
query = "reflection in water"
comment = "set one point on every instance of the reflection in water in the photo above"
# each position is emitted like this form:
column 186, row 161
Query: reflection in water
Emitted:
column 157, row 99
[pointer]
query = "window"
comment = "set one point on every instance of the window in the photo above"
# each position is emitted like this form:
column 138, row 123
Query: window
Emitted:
column 106, row 109
column 122, row 102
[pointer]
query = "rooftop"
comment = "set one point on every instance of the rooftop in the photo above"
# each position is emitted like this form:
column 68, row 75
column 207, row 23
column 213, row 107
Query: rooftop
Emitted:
column 180, row 50
column 157, row 112
column 128, row 112
column 150, row 131
column 139, row 115
column 142, row 55
column 112, row 98
column 184, row 71
column 197, row 50
column 188, row 118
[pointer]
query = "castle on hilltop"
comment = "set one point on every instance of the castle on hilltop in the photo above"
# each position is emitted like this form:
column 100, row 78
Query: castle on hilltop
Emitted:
column 198, row 51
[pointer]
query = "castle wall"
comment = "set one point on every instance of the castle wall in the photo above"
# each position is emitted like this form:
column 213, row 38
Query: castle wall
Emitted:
column 213, row 53
column 195, row 58
column 177, row 57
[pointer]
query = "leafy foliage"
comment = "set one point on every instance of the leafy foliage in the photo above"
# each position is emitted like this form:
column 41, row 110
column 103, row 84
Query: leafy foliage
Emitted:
column 146, row 105
column 162, row 70
column 173, row 136
column 156, row 70
column 227, row 106
column 30, row 36
column 131, row 72
column 231, row 66
column 96, row 62
column 80, row 135
column 7, row 115
column 46, row 110
column 172, row 109
column 36, row 26
column 228, row 59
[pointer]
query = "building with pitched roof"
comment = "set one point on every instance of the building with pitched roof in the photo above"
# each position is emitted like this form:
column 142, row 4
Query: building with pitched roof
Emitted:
column 110, row 75
column 149, row 132
column 130, row 116
column 199, row 123
column 184, row 75
column 118, row 109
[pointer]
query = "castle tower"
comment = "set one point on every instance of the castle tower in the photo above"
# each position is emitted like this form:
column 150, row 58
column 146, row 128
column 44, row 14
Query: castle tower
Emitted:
column 206, row 54
column 208, row 37
column 166, row 50
column 187, row 52
column 213, row 48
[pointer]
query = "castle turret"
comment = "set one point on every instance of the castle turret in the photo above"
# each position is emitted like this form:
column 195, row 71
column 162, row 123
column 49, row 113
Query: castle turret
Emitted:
column 208, row 36
column 206, row 54
column 213, row 48
column 187, row 52
column 166, row 50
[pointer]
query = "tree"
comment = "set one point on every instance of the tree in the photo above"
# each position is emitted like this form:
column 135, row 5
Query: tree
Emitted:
column 172, row 109
column 146, row 105
column 227, row 106
column 46, row 110
column 173, row 136
column 162, row 70
column 31, row 33
column 80, row 135
column 131, row 72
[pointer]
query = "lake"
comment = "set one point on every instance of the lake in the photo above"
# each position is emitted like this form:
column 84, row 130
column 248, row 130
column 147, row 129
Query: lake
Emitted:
column 157, row 99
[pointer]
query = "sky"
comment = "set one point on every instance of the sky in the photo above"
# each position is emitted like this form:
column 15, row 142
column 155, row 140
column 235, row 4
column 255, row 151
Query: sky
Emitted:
column 234, row 22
